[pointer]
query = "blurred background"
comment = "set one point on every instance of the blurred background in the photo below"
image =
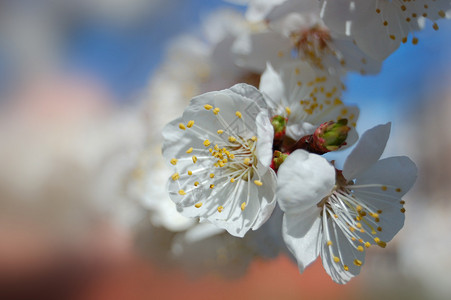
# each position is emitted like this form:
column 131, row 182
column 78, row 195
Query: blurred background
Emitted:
column 85, row 89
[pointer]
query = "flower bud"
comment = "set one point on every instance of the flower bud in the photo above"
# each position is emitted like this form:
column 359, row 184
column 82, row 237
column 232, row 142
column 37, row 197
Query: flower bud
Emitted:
column 331, row 136
column 278, row 159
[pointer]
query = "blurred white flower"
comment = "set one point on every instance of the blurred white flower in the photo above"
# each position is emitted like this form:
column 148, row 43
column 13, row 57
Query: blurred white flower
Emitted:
column 338, row 214
column 306, row 98
column 379, row 27
column 221, row 150
column 296, row 31
column 67, row 155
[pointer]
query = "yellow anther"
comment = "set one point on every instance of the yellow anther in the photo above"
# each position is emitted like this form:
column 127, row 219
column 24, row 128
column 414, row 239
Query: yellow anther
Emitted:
column 208, row 106
column 182, row 192
column 243, row 205
column 398, row 190
column 377, row 240
column 357, row 262
column 216, row 147
column 174, row 161
column 258, row 182
column 337, row 101
column 379, row 228
column 336, row 259
column 288, row 110
column 232, row 139
column 382, row 244
column 182, row 126
column 360, row 248
column 361, row 241
column 232, row 156
column 224, row 160
column 358, row 208
column 220, row 208
column 194, row 159
column 403, row 210
column 336, row 216
column 216, row 110
column 221, row 164
column 358, row 218
column 212, row 186
column 238, row 114
column 379, row 211
column 212, row 175
column 189, row 150
column 175, row 176
column 254, row 138
column 196, row 183
column 190, row 173
column 352, row 229
column 232, row 180
column 402, row 202
column 442, row 14
column 210, row 150
column 358, row 225
column 384, row 188
column 367, row 244
column 375, row 215
column 329, row 243
column 435, row 26
column 197, row 205
column 207, row 143
column 353, row 239
column 346, row 268
column 246, row 161
column 190, row 124
column 220, row 131
column 415, row 41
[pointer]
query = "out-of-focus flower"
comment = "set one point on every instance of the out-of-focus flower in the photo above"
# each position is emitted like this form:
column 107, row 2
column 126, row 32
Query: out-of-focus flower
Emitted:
column 206, row 247
column 295, row 27
column 338, row 214
column 379, row 27
column 67, row 155
column 306, row 98
column 221, row 150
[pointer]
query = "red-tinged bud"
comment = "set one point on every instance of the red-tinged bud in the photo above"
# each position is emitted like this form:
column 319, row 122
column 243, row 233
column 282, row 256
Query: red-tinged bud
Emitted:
column 280, row 125
column 329, row 136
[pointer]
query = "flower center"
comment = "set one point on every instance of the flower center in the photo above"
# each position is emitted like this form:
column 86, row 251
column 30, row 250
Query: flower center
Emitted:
column 313, row 44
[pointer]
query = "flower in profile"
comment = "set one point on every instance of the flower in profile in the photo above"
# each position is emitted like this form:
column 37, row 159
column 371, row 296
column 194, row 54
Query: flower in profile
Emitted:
column 301, row 98
column 379, row 27
column 339, row 214
column 221, row 151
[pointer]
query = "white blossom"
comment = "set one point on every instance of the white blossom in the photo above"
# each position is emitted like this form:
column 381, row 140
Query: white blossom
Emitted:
column 221, row 151
column 339, row 214
column 306, row 97
column 379, row 26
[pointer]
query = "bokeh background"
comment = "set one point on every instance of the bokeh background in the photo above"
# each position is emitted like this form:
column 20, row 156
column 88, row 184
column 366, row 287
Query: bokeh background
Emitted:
column 75, row 78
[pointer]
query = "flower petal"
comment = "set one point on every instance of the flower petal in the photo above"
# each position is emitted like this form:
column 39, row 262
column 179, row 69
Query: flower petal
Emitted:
column 303, row 180
column 301, row 233
column 367, row 151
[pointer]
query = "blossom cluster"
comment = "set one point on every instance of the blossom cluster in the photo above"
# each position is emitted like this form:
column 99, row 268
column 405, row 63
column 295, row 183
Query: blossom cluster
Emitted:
column 248, row 161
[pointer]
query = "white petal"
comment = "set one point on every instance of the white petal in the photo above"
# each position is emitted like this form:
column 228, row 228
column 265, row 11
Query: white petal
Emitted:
column 258, row 9
column 268, row 199
column 301, row 233
column 344, row 249
column 271, row 85
column 367, row 151
column 253, row 51
column 393, row 176
column 265, row 137
column 303, row 180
